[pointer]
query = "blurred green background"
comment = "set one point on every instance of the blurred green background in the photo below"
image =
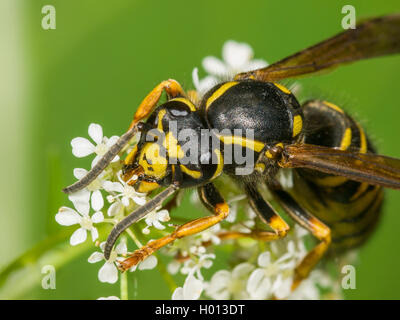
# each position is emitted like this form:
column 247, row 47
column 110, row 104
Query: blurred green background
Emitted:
column 99, row 63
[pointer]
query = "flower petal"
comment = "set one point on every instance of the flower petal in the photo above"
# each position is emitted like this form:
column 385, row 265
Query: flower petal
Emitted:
column 67, row 216
column 81, row 147
column 111, row 141
column 108, row 273
column 173, row 267
column 121, row 248
column 97, row 200
column 158, row 225
column 79, row 173
column 125, row 201
column 97, row 217
column 149, row 263
column 214, row 66
column 114, row 209
column 163, row 215
column 116, row 158
column 78, row 237
column 102, row 245
column 206, row 84
column 96, row 132
column 80, row 199
column 95, row 233
column 218, row 287
column 140, row 201
column 113, row 186
column 192, row 288
column 83, row 207
column 283, row 290
column 81, row 195
column 255, row 64
column 242, row 270
column 95, row 160
column 96, row 257
column 236, row 55
column 178, row 294
column 264, row 259
column 258, row 285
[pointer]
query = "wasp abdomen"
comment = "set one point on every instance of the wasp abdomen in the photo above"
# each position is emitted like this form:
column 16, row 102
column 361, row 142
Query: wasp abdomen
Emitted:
column 265, row 108
column 351, row 209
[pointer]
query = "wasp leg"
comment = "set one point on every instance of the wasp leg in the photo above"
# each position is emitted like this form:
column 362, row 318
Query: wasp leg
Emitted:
column 253, row 234
column 135, row 216
column 312, row 224
column 171, row 87
column 267, row 214
column 213, row 200
column 193, row 97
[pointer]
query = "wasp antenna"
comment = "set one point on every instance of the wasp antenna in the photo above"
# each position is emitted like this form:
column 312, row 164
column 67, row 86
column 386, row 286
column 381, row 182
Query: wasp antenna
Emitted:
column 135, row 216
column 103, row 162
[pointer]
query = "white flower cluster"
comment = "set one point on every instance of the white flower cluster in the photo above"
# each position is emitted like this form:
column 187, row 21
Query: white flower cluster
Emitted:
column 122, row 199
column 256, row 270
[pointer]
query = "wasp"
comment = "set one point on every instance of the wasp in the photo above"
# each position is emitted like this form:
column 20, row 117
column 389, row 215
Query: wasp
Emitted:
column 338, row 179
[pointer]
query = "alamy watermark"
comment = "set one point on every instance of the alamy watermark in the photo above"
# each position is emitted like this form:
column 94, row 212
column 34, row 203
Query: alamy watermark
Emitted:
column 349, row 277
column 349, row 20
column 49, row 18
column 49, row 278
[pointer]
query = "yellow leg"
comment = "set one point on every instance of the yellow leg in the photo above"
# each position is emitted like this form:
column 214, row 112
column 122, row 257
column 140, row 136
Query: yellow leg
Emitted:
column 322, row 233
column 254, row 234
column 171, row 87
column 312, row 224
column 268, row 215
column 221, row 212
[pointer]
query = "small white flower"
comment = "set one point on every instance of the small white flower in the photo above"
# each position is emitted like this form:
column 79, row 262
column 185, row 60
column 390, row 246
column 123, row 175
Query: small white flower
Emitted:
column 68, row 217
column 285, row 178
column 173, row 267
column 82, row 147
column 272, row 278
column 237, row 57
column 308, row 290
column 210, row 234
column 191, row 290
column 125, row 193
column 92, row 191
column 108, row 272
column 149, row 263
column 233, row 203
column 190, row 266
column 226, row 284
column 205, row 84
column 155, row 218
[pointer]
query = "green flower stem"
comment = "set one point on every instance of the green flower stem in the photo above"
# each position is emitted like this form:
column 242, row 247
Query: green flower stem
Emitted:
column 124, row 279
column 169, row 280
column 134, row 238
column 160, row 264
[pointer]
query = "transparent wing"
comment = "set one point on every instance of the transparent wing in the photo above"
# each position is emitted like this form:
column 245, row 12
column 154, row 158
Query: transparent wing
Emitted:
column 364, row 167
column 371, row 38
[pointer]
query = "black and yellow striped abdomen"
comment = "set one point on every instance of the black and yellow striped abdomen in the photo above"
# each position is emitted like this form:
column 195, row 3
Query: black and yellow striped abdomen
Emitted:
column 351, row 209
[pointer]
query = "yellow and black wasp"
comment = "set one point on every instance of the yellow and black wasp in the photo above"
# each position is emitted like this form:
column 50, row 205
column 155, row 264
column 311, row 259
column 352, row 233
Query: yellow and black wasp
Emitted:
column 338, row 177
